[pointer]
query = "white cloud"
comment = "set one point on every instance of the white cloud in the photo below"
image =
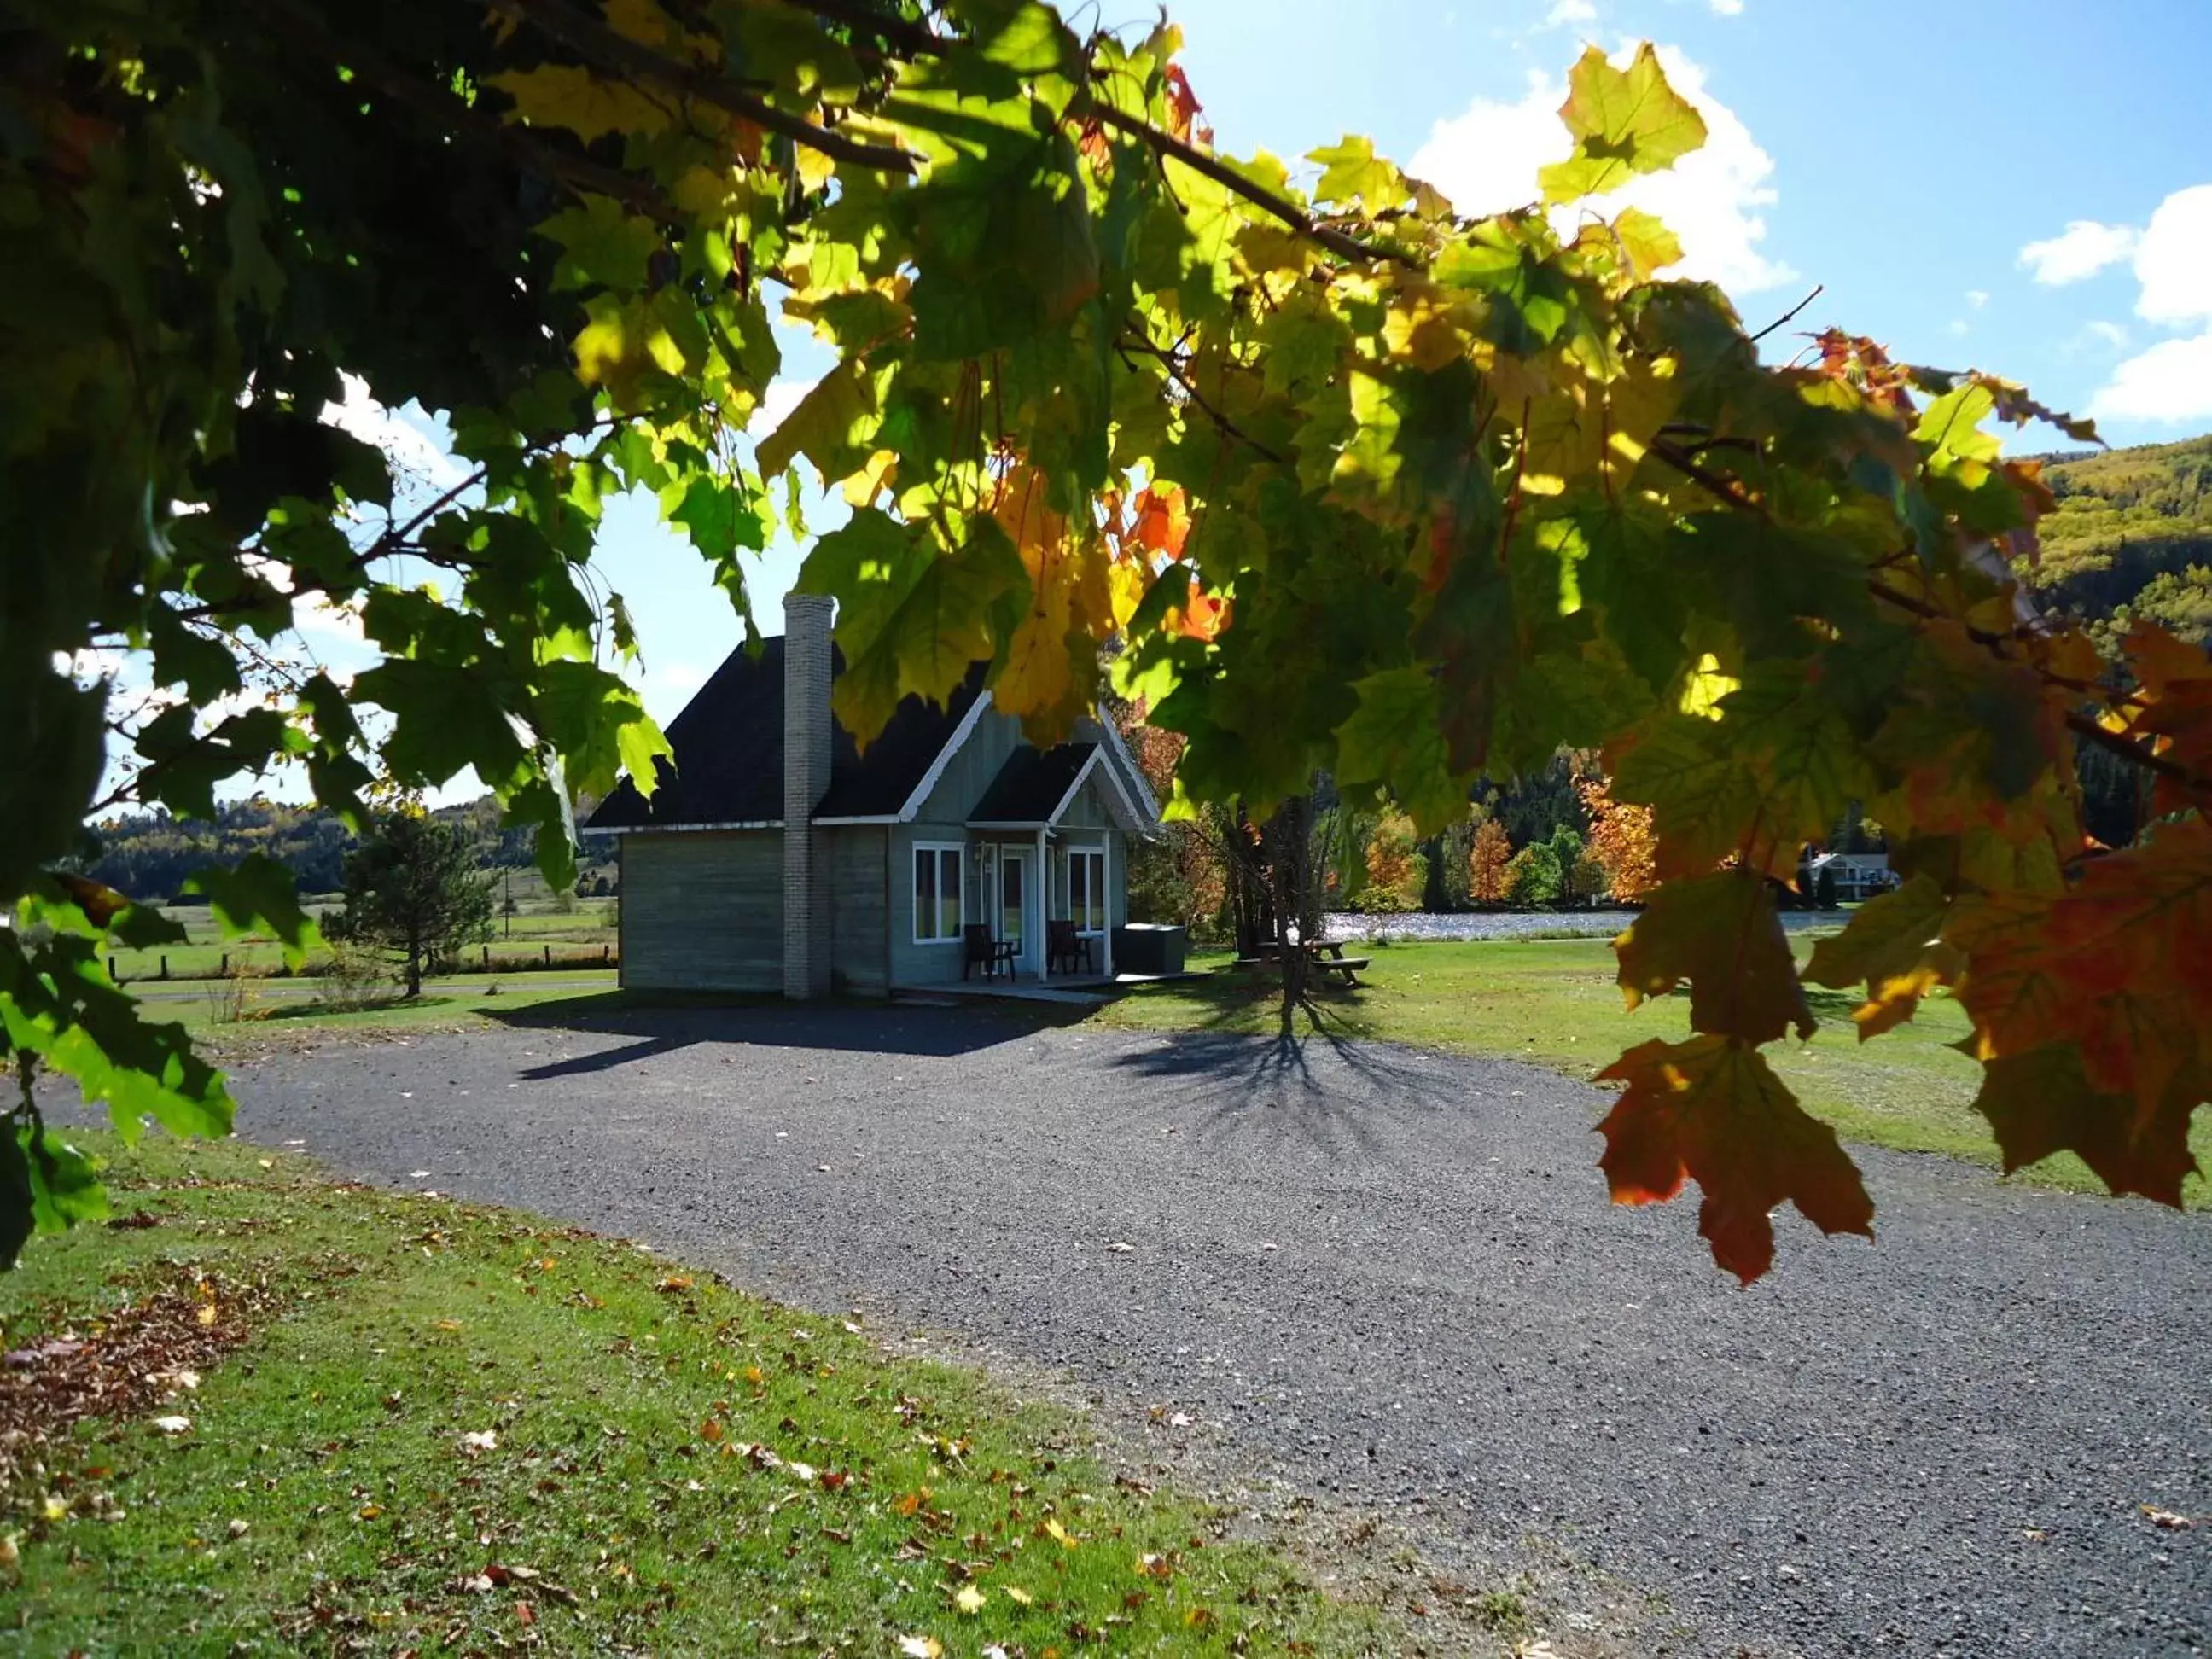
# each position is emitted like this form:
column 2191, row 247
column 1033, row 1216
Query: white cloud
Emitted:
column 1564, row 13
column 2083, row 249
column 2171, row 381
column 783, row 396
column 1976, row 298
column 1485, row 160
column 2173, row 261
column 1728, row 8
column 1957, row 326
column 404, row 444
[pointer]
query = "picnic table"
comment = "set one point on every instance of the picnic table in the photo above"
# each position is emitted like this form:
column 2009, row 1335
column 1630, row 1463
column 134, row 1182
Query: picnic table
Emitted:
column 1323, row 956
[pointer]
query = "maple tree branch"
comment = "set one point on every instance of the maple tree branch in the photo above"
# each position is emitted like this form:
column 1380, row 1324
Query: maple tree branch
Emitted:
column 1818, row 289
column 1164, row 143
column 1169, row 361
column 605, row 47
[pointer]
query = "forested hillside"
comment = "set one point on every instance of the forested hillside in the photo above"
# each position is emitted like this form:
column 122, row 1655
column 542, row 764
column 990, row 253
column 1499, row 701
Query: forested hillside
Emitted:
column 2132, row 538
column 148, row 855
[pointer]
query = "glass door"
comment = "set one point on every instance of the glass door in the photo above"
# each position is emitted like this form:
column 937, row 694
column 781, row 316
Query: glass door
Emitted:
column 1011, row 922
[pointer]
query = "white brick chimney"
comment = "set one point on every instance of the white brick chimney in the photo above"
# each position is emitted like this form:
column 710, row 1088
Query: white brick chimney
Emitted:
column 806, row 779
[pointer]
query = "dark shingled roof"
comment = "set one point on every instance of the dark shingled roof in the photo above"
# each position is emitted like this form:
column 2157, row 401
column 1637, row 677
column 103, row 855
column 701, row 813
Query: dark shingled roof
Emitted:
column 1031, row 783
column 729, row 753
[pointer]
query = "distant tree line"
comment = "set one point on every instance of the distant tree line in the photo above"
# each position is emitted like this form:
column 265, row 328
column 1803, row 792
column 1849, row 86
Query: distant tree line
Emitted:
column 148, row 855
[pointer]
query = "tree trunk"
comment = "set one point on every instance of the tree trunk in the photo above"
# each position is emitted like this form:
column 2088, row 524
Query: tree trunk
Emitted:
column 1289, row 848
column 414, row 970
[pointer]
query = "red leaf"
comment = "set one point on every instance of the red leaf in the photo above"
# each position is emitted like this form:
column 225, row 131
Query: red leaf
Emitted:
column 1711, row 1111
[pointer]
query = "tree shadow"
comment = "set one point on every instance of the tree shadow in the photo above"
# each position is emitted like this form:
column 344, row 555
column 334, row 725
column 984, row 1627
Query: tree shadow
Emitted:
column 1328, row 1086
column 662, row 1024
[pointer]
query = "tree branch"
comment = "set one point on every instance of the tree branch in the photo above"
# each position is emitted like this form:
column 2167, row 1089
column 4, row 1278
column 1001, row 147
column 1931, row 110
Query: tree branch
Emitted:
column 605, row 48
column 1818, row 289
column 1168, row 361
column 1222, row 173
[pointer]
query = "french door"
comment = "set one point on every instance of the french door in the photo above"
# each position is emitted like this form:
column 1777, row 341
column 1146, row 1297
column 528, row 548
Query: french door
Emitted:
column 1011, row 921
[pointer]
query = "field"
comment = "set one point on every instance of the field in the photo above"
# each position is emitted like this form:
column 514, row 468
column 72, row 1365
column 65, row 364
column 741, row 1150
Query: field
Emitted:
column 1554, row 1002
column 269, row 1411
column 581, row 931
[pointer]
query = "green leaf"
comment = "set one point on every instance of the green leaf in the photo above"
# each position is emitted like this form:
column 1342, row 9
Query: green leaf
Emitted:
column 606, row 245
column 1395, row 739
column 1353, row 173
column 65, row 1183
column 1624, row 121
column 1720, row 932
column 260, row 893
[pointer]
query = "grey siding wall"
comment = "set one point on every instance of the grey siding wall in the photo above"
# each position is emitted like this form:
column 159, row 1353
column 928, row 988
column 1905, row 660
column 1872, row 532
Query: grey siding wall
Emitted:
column 858, row 907
column 934, row 962
column 703, row 911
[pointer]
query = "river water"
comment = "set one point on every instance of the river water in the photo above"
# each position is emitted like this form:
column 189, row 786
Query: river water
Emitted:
column 1516, row 924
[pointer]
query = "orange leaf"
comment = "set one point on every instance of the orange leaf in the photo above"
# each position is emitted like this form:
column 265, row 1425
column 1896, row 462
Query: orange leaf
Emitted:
column 1709, row 1110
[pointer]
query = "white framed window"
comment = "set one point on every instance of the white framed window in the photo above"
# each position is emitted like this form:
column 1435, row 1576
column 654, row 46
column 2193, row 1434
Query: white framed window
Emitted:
column 1086, row 888
column 937, row 870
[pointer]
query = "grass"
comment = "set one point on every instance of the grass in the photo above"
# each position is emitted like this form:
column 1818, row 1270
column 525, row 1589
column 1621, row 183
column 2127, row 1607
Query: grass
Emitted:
column 579, row 931
column 418, row 1424
column 1554, row 1002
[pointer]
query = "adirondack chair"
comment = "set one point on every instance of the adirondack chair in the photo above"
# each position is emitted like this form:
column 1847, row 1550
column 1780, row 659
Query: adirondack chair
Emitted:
column 1062, row 944
column 977, row 946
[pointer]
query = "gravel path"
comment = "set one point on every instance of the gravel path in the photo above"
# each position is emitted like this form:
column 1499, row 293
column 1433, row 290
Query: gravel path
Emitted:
column 1393, row 1276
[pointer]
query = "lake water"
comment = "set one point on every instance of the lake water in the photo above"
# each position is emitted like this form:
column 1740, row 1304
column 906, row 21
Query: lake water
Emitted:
column 1516, row 924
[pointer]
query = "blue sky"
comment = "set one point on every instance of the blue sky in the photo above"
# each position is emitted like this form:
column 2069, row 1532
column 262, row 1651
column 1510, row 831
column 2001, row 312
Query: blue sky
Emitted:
column 2021, row 187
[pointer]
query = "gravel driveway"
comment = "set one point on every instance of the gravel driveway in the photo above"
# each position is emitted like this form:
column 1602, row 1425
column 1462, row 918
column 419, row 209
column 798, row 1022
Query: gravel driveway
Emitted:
column 1393, row 1276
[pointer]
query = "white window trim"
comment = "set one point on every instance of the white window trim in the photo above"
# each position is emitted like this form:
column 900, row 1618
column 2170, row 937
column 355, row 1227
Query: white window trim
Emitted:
column 959, row 852
column 1069, row 849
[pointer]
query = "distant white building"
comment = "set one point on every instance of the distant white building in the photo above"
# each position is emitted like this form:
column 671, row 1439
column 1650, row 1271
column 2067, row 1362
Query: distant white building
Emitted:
column 1859, row 876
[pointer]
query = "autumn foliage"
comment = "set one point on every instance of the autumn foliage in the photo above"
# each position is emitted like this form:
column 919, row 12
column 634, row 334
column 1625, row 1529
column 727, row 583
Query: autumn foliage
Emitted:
column 1620, row 841
column 1486, row 862
column 1334, row 479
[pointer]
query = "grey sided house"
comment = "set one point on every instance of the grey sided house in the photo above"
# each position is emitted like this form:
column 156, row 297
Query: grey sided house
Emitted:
column 778, row 855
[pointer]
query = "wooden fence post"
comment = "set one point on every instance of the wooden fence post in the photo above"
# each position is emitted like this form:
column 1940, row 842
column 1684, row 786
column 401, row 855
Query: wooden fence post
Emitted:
column 165, row 964
column 224, row 971
column 549, row 955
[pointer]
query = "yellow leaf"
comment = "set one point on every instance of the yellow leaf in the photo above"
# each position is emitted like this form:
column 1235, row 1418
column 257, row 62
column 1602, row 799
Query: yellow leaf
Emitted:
column 1016, row 1593
column 969, row 1599
column 1053, row 1529
column 1707, row 686
column 207, row 1315
column 1051, row 671
column 562, row 95
column 920, row 1647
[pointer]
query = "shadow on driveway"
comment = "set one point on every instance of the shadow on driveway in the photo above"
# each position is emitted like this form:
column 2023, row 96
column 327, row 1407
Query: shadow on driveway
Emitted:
column 664, row 1024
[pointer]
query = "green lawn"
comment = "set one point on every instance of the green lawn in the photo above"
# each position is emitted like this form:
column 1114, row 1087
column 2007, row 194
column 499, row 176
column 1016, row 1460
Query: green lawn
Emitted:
column 1554, row 1002
column 420, row 1425
column 578, row 933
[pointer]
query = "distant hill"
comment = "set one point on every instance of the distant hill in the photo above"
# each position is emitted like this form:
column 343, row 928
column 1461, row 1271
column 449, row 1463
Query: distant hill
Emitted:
column 148, row 855
column 2132, row 537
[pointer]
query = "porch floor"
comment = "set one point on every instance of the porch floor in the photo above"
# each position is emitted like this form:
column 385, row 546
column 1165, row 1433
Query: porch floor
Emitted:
column 1069, row 990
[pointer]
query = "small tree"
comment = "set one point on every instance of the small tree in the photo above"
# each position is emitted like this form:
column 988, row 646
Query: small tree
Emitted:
column 1577, row 881
column 1486, row 862
column 1397, row 873
column 413, row 888
column 1533, row 877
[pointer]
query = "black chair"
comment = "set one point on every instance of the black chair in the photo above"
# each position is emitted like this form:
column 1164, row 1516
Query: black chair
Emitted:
column 976, row 945
column 1063, row 944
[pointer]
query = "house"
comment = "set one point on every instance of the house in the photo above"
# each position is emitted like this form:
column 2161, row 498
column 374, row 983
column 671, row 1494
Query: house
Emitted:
column 777, row 854
column 1859, row 876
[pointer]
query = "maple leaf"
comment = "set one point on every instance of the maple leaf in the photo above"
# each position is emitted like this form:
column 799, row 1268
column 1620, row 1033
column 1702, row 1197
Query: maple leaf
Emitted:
column 1625, row 122
column 2042, row 1102
column 1894, row 944
column 1711, row 1111
column 562, row 95
column 1723, row 934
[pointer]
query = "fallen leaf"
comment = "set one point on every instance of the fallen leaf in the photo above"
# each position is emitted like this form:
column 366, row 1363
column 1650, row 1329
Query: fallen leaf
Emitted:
column 207, row 1315
column 2166, row 1518
column 711, row 1429
column 239, row 1529
column 1016, row 1593
column 968, row 1599
column 674, row 1284
column 525, row 1614
column 920, row 1647
column 479, row 1440
column 1120, row 1247
column 1053, row 1529
column 174, row 1424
